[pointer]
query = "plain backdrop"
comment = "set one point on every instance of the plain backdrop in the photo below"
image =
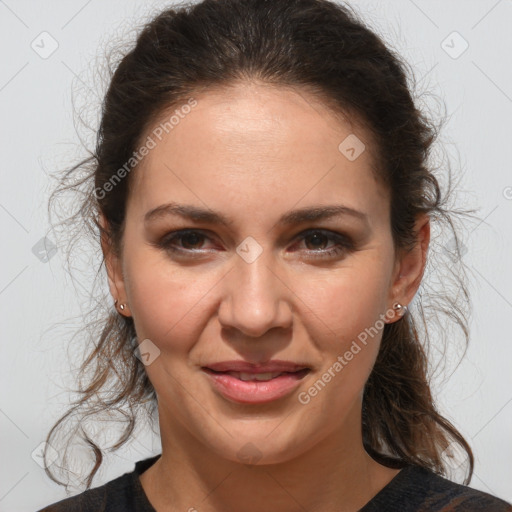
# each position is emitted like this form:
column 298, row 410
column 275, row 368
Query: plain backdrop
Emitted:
column 459, row 49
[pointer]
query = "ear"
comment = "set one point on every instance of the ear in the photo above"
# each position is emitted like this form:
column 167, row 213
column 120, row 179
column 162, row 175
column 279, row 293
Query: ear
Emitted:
column 114, row 269
column 410, row 266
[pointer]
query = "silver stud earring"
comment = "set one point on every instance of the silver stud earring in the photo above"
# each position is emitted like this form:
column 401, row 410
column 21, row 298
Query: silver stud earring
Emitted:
column 121, row 306
column 401, row 310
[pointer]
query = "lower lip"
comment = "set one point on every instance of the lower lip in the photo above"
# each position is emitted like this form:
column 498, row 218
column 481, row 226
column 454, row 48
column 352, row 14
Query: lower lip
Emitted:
column 255, row 392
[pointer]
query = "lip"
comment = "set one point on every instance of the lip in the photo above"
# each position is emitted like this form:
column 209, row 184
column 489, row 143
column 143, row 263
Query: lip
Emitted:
column 275, row 365
column 255, row 392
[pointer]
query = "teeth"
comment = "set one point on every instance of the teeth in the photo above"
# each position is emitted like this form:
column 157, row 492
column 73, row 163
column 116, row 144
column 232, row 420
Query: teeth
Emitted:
column 254, row 376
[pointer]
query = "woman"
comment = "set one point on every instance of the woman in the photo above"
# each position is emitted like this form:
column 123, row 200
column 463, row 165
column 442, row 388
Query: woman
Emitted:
column 263, row 200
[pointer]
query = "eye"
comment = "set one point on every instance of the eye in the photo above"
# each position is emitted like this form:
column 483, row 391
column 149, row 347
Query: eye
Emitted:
column 320, row 244
column 185, row 241
column 317, row 243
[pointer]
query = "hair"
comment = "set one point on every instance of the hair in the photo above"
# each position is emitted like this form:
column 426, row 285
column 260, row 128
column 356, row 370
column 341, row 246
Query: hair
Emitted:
column 325, row 49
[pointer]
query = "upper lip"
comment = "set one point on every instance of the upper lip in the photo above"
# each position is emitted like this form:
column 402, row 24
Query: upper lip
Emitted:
column 274, row 365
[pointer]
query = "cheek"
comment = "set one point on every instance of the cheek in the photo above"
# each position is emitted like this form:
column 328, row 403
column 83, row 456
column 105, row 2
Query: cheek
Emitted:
column 346, row 323
column 347, row 300
column 167, row 302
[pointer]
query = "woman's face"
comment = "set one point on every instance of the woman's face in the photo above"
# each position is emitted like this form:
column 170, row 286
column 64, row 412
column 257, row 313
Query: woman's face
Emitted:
column 268, row 282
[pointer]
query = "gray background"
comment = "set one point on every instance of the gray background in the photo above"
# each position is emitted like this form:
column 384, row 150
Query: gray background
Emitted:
column 41, row 307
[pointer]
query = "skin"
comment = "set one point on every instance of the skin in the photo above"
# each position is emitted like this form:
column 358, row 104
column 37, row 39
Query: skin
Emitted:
column 253, row 152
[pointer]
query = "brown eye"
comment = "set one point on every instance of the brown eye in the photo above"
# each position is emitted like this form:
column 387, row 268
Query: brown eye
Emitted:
column 317, row 240
column 191, row 240
column 187, row 242
column 325, row 244
column 316, row 244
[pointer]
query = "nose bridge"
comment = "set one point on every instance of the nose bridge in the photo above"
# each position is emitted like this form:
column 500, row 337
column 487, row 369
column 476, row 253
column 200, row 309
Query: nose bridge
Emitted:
column 255, row 298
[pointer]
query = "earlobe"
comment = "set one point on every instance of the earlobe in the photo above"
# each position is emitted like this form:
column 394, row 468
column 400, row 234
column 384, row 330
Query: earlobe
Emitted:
column 409, row 271
column 113, row 266
column 121, row 307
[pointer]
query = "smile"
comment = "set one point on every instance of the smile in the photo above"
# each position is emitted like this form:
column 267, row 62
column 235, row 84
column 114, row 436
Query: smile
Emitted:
column 255, row 388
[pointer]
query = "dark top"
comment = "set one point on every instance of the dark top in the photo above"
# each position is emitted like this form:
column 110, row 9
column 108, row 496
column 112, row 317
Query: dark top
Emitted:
column 413, row 489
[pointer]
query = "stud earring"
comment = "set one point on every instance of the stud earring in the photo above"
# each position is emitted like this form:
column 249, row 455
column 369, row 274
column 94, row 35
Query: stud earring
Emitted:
column 121, row 306
column 401, row 310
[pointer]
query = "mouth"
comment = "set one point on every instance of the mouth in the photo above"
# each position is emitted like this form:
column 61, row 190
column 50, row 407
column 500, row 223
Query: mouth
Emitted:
column 261, row 377
column 253, row 387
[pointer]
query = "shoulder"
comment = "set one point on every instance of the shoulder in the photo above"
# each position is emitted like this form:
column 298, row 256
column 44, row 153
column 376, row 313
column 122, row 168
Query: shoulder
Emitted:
column 112, row 496
column 418, row 489
column 123, row 494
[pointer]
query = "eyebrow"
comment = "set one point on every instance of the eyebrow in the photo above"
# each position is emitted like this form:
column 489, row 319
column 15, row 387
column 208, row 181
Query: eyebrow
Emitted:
column 197, row 214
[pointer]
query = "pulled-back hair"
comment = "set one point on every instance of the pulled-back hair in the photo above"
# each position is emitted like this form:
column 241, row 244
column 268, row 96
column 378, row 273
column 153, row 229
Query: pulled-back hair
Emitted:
column 325, row 49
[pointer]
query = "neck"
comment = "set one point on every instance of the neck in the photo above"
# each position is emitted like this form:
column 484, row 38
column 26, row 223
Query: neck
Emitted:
column 335, row 473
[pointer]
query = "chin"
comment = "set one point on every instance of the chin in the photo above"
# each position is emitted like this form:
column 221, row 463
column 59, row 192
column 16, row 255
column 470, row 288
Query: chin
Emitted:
column 258, row 446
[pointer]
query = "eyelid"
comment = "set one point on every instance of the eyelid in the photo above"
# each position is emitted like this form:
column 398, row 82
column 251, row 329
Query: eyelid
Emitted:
column 179, row 233
column 327, row 232
column 342, row 242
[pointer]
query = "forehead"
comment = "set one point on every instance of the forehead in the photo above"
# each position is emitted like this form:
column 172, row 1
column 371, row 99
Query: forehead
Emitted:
column 261, row 146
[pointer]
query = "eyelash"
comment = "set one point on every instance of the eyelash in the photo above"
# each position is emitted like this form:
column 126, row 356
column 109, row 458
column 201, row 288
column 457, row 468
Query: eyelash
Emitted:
column 344, row 243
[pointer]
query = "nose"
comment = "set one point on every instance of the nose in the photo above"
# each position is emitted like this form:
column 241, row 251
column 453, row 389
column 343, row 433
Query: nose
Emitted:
column 256, row 298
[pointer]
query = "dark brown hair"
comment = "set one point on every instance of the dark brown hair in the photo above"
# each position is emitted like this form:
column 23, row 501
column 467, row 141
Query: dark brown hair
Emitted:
column 312, row 45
